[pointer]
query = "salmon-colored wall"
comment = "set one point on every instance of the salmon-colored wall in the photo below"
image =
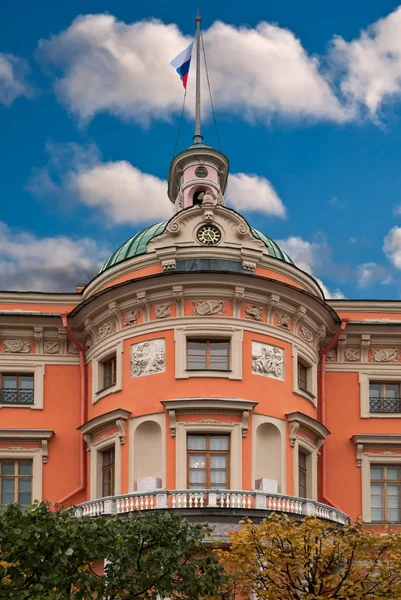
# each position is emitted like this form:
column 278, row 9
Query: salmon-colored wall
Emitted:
column 145, row 272
column 262, row 272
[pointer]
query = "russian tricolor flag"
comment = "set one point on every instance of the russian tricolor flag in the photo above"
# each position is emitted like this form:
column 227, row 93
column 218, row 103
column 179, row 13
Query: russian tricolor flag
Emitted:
column 181, row 64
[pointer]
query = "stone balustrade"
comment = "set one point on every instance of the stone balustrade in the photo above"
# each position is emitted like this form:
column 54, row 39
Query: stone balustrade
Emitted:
column 209, row 499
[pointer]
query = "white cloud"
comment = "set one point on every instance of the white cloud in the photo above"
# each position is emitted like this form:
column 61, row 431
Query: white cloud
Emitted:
column 46, row 264
column 251, row 193
column 106, row 65
column 371, row 64
column 392, row 246
column 124, row 194
column 310, row 257
column 371, row 273
column 13, row 72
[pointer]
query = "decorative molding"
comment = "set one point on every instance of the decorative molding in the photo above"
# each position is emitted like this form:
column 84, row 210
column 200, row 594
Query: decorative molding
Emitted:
column 27, row 435
column 232, row 406
column 331, row 355
column 238, row 297
column 363, row 441
column 51, row 347
column 271, row 307
column 117, row 418
column 267, row 360
column 178, row 296
column 115, row 313
column 163, row 311
column 284, row 321
column 352, row 354
column 131, row 317
column 294, row 426
column 17, row 346
column 385, row 355
column 143, row 302
column 305, row 333
column 38, row 337
column 72, row 349
column 254, row 312
column 204, row 308
column 106, row 329
column 300, row 422
column 62, row 338
column 148, row 358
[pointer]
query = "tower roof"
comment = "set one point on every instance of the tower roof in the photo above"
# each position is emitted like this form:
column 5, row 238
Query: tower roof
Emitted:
column 138, row 243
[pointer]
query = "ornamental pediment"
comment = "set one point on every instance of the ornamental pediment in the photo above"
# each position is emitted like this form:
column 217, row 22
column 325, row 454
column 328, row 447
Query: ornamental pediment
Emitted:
column 208, row 231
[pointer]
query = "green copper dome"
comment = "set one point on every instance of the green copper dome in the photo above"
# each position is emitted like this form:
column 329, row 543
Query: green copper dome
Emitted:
column 138, row 243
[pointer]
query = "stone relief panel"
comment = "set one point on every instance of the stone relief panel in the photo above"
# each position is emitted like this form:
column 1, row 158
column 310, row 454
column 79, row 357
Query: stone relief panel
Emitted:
column 72, row 349
column 50, row 347
column 17, row 346
column 385, row 355
column 162, row 311
column 331, row 355
column 267, row 360
column 106, row 329
column 254, row 312
column 148, row 358
column 352, row 354
column 205, row 308
column 131, row 317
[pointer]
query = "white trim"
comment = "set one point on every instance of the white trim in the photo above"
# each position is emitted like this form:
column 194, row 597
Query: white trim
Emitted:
column 34, row 454
column 113, row 348
column 311, row 366
column 367, row 460
column 364, row 381
column 233, row 429
column 38, row 372
column 96, row 464
column 160, row 419
column 258, row 420
column 200, row 330
column 311, row 466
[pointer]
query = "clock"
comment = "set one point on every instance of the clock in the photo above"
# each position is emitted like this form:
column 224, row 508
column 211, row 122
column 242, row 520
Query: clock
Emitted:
column 208, row 235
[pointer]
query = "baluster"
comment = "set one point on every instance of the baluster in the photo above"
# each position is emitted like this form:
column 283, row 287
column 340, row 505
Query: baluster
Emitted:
column 174, row 501
column 201, row 500
column 249, row 501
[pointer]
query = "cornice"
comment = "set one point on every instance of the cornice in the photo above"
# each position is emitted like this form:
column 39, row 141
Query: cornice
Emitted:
column 25, row 435
column 377, row 439
column 346, row 305
column 39, row 298
column 101, row 422
column 308, row 424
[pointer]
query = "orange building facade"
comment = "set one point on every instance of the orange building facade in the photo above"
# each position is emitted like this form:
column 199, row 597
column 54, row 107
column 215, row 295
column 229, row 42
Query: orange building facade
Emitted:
column 202, row 371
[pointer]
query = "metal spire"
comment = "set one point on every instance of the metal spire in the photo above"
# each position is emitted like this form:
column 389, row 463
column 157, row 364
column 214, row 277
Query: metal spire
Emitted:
column 198, row 138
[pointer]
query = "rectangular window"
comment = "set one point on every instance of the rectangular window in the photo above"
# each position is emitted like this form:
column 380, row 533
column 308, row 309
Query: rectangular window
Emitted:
column 302, row 376
column 208, row 461
column 385, row 492
column 384, row 398
column 302, row 475
column 16, row 388
column 16, row 481
column 208, row 355
column 109, row 372
column 108, row 472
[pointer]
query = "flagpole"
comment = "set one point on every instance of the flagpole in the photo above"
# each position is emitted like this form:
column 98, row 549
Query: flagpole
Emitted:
column 198, row 137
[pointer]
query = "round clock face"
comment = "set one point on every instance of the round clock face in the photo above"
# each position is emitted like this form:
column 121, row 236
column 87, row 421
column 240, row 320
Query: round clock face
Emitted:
column 209, row 235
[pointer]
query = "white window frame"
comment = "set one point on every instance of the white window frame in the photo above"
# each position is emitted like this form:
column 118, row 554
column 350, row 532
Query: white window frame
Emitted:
column 114, row 348
column 232, row 429
column 36, row 456
column 311, row 466
column 299, row 356
column 233, row 334
column 96, row 449
column 38, row 372
column 367, row 460
column 380, row 377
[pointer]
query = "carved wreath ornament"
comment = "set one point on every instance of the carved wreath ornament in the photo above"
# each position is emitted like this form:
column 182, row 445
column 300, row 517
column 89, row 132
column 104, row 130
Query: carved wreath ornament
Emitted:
column 12, row 346
column 208, row 307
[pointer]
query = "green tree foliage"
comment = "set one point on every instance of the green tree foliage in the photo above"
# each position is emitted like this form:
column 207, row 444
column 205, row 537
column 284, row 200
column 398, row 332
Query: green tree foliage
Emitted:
column 48, row 555
column 280, row 559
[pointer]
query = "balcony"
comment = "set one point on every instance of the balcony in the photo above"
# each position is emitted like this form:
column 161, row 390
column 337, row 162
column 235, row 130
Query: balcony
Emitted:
column 384, row 405
column 16, row 396
column 254, row 504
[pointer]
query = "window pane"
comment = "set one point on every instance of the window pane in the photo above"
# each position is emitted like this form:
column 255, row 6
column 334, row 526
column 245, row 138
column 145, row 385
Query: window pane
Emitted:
column 7, row 484
column 9, row 381
column 197, row 461
column 26, row 382
column 376, row 502
column 376, row 489
column 25, row 498
column 393, row 473
column 24, row 485
column 393, row 490
column 393, row 515
column 219, row 355
column 392, row 390
column 197, row 476
column 377, row 515
column 218, row 461
column 393, row 502
column 302, row 461
column 376, row 472
column 7, row 497
column 7, row 468
column 25, row 468
column 196, row 353
column 196, row 442
column 375, row 390
column 219, row 442
column 218, row 477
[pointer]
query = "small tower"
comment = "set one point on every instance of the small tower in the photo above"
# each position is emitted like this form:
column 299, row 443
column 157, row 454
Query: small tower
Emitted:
column 200, row 170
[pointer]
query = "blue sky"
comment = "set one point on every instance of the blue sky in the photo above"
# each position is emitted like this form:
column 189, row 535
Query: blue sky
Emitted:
column 308, row 99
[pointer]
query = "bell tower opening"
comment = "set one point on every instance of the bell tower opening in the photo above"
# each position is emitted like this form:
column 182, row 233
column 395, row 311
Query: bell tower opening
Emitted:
column 198, row 197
